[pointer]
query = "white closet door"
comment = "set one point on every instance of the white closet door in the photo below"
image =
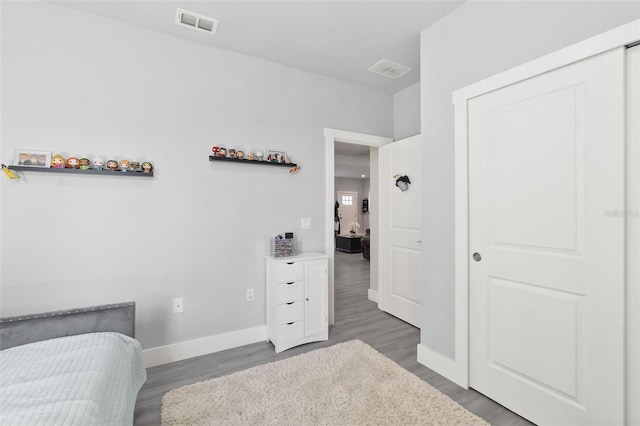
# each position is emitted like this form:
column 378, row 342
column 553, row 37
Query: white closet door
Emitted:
column 546, row 177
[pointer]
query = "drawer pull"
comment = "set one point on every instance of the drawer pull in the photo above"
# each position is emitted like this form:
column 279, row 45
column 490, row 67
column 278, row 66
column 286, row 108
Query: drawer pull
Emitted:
column 291, row 303
column 291, row 323
column 290, row 263
column 291, row 283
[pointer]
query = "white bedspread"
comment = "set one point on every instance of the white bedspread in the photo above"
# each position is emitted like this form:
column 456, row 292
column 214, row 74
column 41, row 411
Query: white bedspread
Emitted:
column 89, row 379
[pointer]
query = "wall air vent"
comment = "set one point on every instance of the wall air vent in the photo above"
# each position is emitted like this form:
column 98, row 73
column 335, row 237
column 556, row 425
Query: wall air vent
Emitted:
column 390, row 69
column 196, row 21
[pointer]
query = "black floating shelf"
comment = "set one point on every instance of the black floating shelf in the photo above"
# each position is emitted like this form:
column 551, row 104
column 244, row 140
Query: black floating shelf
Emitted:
column 105, row 172
column 260, row 163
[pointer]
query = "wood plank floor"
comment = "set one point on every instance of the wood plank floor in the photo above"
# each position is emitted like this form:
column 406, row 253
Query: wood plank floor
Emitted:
column 355, row 318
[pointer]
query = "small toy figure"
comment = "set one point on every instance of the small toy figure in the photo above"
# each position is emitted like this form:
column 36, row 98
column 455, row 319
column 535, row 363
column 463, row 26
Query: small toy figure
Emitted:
column 135, row 166
column 147, row 167
column 223, row 152
column 112, row 165
column 216, row 151
column 250, row 156
column 124, row 165
column 98, row 164
column 240, row 155
column 294, row 169
column 57, row 161
column 402, row 182
column 10, row 173
column 73, row 163
column 259, row 155
column 287, row 160
column 84, row 163
column 232, row 153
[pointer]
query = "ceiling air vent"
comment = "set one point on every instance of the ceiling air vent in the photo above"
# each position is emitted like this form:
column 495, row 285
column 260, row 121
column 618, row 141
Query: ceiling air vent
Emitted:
column 196, row 21
column 390, row 69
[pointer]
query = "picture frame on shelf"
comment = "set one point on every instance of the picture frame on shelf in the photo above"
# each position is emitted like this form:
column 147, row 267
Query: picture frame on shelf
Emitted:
column 275, row 155
column 32, row 158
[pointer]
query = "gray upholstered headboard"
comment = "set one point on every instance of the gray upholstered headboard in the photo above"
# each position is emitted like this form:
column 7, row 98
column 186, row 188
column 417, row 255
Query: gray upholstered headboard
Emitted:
column 20, row 330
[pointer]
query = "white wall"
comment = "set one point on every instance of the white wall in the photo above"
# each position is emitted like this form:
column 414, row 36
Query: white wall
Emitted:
column 366, row 190
column 475, row 41
column 374, row 219
column 406, row 112
column 82, row 85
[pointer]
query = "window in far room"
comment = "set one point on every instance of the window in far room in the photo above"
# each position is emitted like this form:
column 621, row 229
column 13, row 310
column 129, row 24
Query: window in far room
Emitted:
column 347, row 200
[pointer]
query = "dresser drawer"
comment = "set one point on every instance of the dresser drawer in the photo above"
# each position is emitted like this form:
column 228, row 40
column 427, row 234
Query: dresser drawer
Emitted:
column 290, row 312
column 290, row 272
column 290, row 292
column 290, row 332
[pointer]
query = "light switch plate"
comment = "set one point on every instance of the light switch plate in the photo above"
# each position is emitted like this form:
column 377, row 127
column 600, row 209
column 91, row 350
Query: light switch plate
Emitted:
column 305, row 223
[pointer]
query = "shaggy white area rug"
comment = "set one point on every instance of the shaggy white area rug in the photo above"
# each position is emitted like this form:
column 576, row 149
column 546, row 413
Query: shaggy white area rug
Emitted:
column 346, row 384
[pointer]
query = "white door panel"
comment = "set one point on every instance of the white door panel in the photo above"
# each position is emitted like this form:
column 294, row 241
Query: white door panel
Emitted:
column 401, row 215
column 315, row 278
column 404, row 264
column 633, row 230
column 546, row 162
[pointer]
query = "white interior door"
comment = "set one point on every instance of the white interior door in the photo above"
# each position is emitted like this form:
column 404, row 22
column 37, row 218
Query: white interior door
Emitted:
column 347, row 211
column 401, row 216
column 546, row 176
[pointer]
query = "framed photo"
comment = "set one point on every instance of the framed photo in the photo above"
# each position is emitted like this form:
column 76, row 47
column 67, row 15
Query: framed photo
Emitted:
column 276, row 155
column 31, row 158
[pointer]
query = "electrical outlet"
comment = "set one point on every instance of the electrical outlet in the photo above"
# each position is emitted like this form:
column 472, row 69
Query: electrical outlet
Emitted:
column 249, row 295
column 178, row 306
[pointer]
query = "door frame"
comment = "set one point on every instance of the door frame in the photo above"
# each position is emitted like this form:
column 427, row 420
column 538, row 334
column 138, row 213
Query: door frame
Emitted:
column 331, row 137
column 457, row 369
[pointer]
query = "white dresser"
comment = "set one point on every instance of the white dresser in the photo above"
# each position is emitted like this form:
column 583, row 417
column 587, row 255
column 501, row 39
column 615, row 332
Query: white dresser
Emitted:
column 297, row 299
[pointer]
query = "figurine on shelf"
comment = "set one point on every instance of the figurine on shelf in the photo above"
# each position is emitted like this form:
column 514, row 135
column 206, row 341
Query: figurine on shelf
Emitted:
column 124, row 165
column 135, row 166
column 259, row 155
column 98, row 164
column 147, row 167
column 216, row 151
column 223, row 152
column 73, row 163
column 112, row 165
column 57, row 161
column 240, row 155
column 232, row 153
column 84, row 163
column 250, row 156
column 287, row 160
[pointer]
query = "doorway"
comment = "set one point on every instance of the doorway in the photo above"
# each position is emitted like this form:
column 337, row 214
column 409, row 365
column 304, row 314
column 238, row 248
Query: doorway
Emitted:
column 332, row 136
column 347, row 211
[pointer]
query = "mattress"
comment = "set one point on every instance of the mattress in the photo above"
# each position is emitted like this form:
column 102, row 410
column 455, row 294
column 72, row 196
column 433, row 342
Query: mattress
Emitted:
column 88, row 379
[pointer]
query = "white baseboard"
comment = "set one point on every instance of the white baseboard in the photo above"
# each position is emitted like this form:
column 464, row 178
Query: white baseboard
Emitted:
column 442, row 365
column 206, row 345
column 373, row 295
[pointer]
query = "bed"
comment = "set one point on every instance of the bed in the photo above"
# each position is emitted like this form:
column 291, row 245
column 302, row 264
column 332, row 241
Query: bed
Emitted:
column 72, row 367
